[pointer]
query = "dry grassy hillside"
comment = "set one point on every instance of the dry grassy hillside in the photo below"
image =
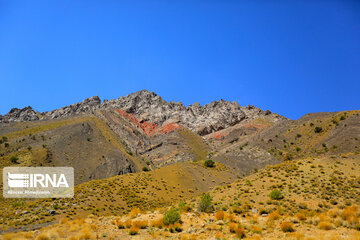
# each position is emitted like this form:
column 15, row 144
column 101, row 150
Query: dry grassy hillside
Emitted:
column 317, row 198
column 117, row 195
column 85, row 143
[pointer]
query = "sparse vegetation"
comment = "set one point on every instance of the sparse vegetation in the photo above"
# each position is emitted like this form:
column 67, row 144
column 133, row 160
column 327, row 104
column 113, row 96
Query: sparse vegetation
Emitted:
column 205, row 204
column 14, row 159
column 287, row 227
column 209, row 163
column 318, row 129
column 171, row 216
column 276, row 195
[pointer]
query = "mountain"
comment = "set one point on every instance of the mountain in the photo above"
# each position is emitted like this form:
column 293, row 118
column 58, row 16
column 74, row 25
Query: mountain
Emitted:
column 124, row 135
column 140, row 151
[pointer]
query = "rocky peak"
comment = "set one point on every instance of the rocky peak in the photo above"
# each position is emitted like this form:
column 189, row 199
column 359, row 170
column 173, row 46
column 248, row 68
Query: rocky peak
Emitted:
column 20, row 115
column 89, row 105
column 205, row 119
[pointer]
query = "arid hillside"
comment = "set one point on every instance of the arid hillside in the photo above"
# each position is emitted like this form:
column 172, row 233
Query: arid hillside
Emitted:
column 142, row 166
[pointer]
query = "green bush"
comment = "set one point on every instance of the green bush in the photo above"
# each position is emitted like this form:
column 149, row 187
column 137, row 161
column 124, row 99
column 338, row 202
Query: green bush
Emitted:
column 171, row 216
column 317, row 129
column 205, row 204
column 14, row 159
column 209, row 163
column 276, row 195
column 145, row 169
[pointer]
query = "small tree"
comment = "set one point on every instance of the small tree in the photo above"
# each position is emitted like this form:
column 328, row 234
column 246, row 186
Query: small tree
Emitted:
column 276, row 195
column 209, row 163
column 171, row 216
column 205, row 204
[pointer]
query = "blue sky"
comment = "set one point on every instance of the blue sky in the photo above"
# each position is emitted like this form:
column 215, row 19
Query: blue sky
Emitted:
column 292, row 57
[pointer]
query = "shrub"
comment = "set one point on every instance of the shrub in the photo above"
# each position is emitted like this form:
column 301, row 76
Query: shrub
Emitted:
column 134, row 230
column 14, row 159
column 42, row 236
column 142, row 224
column 230, row 217
column 85, row 233
column 219, row 215
column 276, row 195
column 205, row 204
column 318, row 129
column 274, row 215
column 135, row 211
column 287, row 227
column 240, row 232
column 175, row 228
column 145, row 169
column 128, row 223
column 157, row 223
column 325, row 225
column 232, row 227
column 209, row 163
column 301, row 216
column 348, row 212
column 120, row 225
column 171, row 216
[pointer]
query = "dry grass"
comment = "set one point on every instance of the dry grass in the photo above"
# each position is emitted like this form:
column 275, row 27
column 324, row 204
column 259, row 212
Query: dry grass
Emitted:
column 142, row 224
column 349, row 212
column 42, row 236
column 232, row 227
column 301, row 216
column 324, row 225
column 274, row 216
column 134, row 212
column 287, row 227
column 158, row 223
column 240, row 232
column 219, row 215
column 134, row 230
column 230, row 217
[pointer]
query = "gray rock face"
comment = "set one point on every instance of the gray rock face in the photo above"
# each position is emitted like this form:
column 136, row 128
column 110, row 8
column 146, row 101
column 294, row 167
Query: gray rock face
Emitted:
column 150, row 107
column 19, row 115
column 86, row 106
column 116, row 164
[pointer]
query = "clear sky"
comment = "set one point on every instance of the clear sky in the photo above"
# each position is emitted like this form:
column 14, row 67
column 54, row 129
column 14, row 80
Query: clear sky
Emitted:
column 292, row 57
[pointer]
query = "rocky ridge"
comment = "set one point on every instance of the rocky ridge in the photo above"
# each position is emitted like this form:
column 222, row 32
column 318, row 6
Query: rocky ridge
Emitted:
column 20, row 115
column 148, row 106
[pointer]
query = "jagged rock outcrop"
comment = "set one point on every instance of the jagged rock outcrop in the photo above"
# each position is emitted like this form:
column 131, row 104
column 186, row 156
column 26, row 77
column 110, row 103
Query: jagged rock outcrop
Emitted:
column 203, row 120
column 147, row 106
column 86, row 106
column 20, row 115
